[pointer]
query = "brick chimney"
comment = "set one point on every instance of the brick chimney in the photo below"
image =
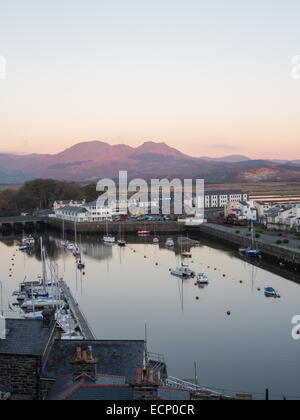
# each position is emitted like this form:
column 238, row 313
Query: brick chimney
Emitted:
column 145, row 388
column 84, row 364
column 48, row 318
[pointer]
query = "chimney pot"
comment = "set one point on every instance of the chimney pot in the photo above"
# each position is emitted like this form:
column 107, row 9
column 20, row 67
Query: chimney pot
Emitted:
column 139, row 375
column 90, row 353
column 78, row 350
column 150, row 375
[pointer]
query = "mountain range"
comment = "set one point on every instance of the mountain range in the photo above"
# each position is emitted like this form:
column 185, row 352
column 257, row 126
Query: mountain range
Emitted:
column 90, row 161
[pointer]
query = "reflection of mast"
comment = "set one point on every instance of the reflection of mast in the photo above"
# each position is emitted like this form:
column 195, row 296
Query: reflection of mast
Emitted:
column 180, row 289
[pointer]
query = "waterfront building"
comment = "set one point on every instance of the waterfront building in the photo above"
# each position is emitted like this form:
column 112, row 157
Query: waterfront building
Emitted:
column 219, row 199
column 243, row 210
column 88, row 213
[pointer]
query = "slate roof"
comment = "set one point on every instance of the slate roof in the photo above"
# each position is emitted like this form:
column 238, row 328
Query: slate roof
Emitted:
column 107, row 388
column 65, row 387
column 224, row 192
column 26, row 337
column 74, row 209
column 173, row 394
column 105, row 393
column 115, row 357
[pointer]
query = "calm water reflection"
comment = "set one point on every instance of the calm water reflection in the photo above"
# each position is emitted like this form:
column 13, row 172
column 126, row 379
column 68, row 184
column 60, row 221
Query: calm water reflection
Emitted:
column 248, row 351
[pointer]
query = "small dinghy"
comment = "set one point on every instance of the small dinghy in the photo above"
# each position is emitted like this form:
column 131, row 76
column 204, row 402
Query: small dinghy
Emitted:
column 170, row 243
column 187, row 255
column 270, row 292
column 80, row 265
column 144, row 233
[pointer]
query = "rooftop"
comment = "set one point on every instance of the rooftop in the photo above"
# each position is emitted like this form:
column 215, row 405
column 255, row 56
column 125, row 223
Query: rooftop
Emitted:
column 26, row 337
column 224, row 192
column 74, row 209
column 115, row 357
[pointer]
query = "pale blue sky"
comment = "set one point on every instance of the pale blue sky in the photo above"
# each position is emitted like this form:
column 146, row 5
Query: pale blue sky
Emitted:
column 208, row 77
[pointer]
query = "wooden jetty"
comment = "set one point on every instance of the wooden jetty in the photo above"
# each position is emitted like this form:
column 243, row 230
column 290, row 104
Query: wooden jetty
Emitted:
column 77, row 313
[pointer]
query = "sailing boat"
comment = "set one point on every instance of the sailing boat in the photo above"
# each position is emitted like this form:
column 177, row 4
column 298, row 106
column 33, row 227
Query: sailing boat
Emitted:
column 108, row 238
column 183, row 271
column 253, row 251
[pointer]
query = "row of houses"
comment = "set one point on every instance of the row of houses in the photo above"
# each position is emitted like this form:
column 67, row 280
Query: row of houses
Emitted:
column 286, row 218
column 81, row 211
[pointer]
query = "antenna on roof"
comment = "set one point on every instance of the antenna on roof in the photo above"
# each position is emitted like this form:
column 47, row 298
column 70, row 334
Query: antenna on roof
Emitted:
column 145, row 362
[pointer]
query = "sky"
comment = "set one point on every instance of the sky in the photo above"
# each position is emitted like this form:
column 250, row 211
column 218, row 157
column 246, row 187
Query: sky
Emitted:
column 209, row 77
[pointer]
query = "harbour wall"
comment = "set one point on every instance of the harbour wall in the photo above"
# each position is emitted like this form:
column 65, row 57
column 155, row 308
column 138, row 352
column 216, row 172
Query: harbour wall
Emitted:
column 271, row 252
column 115, row 227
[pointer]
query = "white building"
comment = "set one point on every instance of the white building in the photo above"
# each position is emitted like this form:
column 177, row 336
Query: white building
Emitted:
column 219, row 199
column 288, row 217
column 90, row 212
column 243, row 210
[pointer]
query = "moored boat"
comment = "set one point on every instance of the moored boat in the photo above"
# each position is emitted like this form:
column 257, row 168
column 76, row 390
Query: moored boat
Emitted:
column 170, row 243
column 144, row 233
column 187, row 255
column 202, row 279
column 271, row 292
column 183, row 272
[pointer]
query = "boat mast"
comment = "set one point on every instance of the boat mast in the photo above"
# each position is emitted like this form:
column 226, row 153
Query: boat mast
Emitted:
column 44, row 264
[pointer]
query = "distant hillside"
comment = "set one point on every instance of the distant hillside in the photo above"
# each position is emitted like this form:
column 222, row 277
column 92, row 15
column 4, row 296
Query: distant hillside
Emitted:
column 93, row 160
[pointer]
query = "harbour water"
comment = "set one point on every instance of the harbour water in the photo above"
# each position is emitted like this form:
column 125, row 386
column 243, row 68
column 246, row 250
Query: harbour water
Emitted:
column 121, row 289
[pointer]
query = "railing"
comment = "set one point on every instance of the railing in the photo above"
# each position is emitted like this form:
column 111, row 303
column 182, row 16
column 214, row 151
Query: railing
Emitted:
column 156, row 357
column 179, row 383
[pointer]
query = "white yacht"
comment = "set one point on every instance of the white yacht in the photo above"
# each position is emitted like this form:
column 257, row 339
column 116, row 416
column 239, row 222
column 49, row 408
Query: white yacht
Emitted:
column 202, row 279
column 109, row 239
column 183, row 272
